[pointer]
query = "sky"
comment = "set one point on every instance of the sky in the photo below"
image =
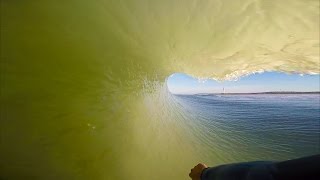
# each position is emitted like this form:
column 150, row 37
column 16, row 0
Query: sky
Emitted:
column 180, row 83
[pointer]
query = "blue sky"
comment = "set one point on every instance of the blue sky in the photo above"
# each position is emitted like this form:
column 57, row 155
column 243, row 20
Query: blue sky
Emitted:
column 180, row 83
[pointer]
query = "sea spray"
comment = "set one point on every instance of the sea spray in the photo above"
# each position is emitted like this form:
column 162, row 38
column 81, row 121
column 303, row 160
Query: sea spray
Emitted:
column 74, row 104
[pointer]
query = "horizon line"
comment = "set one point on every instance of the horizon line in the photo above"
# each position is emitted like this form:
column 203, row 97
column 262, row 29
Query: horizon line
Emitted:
column 265, row 92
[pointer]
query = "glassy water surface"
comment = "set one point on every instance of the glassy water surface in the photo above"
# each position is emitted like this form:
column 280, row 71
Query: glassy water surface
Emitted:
column 267, row 126
column 83, row 97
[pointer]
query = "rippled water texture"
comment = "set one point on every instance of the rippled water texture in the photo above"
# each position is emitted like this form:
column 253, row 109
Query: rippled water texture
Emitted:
column 254, row 126
column 83, row 92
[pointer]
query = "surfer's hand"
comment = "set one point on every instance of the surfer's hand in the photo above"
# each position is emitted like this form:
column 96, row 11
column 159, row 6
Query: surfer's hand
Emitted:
column 196, row 171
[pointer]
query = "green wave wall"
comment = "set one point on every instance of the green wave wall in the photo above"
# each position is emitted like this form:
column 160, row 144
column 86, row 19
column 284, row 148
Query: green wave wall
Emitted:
column 83, row 92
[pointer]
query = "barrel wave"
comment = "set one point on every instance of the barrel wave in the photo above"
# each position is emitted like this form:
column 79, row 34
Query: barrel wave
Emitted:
column 83, row 83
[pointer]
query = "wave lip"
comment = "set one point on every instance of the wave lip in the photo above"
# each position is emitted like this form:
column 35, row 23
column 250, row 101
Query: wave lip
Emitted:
column 78, row 78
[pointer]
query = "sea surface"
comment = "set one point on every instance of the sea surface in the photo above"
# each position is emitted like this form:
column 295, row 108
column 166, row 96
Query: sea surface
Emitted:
column 258, row 126
column 83, row 86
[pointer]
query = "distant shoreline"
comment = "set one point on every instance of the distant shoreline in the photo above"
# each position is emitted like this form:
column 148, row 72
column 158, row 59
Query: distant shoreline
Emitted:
column 257, row 93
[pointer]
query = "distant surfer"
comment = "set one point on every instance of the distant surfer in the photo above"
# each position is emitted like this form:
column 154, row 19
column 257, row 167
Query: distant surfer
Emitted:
column 307, row 168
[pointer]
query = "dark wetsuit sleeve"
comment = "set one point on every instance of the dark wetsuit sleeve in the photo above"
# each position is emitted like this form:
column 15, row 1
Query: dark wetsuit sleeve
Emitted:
column 242, row 171
column 307, row 168
column 304, row 168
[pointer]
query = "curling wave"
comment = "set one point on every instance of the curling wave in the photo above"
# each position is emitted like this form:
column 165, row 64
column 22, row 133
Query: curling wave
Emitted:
column 83, row 92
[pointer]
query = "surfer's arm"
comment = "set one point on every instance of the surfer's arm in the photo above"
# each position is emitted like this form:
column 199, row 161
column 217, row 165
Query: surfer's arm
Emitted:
column 302, row 168
column 241, row 171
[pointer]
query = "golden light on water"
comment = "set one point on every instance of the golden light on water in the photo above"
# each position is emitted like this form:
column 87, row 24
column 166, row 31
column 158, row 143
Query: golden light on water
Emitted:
column 80, row 78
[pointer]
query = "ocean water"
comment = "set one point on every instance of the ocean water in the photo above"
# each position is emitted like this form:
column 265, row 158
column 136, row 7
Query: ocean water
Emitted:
column 260, row 126
column 83, row 85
